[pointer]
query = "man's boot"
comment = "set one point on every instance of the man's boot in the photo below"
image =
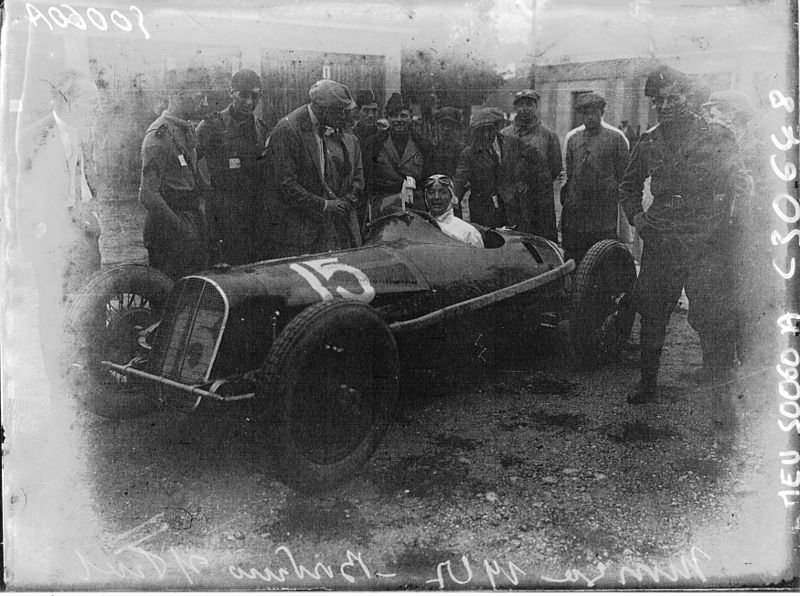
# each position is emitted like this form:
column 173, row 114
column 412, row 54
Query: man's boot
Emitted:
column 647, row 391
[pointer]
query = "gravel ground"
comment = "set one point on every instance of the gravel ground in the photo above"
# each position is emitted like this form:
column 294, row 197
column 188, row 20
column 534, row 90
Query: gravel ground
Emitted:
column 532, row 474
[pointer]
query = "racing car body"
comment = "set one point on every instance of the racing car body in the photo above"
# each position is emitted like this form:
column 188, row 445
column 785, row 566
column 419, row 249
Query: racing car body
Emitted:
column 313, row 340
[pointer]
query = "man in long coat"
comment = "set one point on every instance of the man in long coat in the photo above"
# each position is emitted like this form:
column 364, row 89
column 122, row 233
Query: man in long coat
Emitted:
column 506, row 178
column 313, row 176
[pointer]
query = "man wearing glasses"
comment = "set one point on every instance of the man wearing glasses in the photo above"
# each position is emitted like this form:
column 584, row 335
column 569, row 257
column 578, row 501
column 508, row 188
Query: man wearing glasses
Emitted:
column 231, row 142
column 175, row 233
column 695, row 174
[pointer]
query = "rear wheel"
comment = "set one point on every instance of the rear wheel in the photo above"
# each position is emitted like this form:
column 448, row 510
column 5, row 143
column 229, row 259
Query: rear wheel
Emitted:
column 334, row 373
column 105, row 322
column 601, row 306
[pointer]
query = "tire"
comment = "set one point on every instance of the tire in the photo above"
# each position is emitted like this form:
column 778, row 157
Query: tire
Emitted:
column 601, row 305
column 101, row 324
column 333, row 372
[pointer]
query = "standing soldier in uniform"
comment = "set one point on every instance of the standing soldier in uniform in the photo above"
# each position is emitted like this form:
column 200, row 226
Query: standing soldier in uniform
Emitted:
column 695, row 173
column 597, row 155
column 231, row 141
column 528, row 127
column 175, row 233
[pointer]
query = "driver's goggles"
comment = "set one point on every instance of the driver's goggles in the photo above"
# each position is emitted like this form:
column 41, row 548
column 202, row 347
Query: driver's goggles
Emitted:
column 438, row 180
column 254, row 95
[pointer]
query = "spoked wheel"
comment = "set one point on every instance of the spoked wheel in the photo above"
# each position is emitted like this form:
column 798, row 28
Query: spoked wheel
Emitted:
column 334, row 371
column 110, row 319
column 601, row 308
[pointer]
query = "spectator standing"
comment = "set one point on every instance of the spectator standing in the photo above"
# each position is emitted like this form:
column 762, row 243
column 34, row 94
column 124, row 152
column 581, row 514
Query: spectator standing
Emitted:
column 313, row 185
column 695, row 174
column 447, row 147
column 507, row 179
column 597, row 155
column 367, row 107
column 231, row 141
column 175, row 230
column 528, row 127
column 395, row 154
column 58, row 228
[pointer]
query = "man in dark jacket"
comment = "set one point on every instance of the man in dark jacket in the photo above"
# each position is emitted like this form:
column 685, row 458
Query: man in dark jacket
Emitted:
column 507, row 179
column 312, row 186
column 395, row 154
column 448, row 148
column 175, row 230
column 597, row 155
column 231, row 141
column 695, row 174
column 367, row 107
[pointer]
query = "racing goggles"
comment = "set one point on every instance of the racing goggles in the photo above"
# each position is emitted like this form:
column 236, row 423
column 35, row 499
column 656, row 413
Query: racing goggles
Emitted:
column 440, row 182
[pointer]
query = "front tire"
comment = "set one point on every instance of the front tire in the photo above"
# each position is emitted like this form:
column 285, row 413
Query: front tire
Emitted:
column 601, row 305
column 103, row 323
column 334, row 373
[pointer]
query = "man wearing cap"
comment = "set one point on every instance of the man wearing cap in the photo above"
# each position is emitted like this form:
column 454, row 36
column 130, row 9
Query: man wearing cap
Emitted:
column 175, row 231
column 506, row 178
column 367, row 107
column 527, row 126
column 315, row 176
column 695, row 174
column 397, row 154
column 231, row 142
column 597, row 155
column 447, row 147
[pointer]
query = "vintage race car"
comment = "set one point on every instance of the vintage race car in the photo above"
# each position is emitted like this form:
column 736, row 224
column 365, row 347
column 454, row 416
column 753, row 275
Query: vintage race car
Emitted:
column 315, row 342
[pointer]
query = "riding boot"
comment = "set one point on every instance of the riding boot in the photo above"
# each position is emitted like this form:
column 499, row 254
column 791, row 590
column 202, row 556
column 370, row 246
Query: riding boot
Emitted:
column 647, row 391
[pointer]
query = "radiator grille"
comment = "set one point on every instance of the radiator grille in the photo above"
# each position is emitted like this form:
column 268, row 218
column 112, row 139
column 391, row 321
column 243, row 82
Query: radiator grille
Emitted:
column 190, row 331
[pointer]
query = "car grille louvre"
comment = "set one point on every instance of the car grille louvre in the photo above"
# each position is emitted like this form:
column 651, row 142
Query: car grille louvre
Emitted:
column 190, row 331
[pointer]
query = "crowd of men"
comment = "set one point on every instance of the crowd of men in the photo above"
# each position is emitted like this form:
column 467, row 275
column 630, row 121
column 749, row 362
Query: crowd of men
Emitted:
column 228, row 190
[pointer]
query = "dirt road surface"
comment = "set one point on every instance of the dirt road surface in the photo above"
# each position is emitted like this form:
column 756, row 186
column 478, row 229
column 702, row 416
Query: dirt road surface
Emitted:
column 536, row 475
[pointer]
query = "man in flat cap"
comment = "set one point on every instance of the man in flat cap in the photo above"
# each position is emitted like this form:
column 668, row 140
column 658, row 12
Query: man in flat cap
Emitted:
column 315, row 176
column 505, row 177
column 597, row 155
column 231, row 141
column 528, row 127
column 175, row 230
column 447, row 147
column 394, row 155
column 367, row 106
column 695, row 174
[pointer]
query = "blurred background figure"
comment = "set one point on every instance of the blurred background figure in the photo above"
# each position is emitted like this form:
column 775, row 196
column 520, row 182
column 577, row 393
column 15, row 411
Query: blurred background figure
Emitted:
column 367, row 107
column 447, row 145
column 58, row 228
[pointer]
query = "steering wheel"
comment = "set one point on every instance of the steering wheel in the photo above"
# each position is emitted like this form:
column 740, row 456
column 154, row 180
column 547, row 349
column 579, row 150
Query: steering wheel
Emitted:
column 427, row 217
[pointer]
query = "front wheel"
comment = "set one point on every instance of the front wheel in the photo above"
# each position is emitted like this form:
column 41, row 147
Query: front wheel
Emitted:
column 109, row 316
column 334, row 373
column 601, row 305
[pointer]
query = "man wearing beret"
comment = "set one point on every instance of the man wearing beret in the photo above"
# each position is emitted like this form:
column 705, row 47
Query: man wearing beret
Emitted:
column 597, row 155
column 315, row 176
column 695, row 175
column 527, row 126
column 447, row 147
column 395, row 154
column 506, row 179
column 231, row 141
column 367, row 107
column 175, row 230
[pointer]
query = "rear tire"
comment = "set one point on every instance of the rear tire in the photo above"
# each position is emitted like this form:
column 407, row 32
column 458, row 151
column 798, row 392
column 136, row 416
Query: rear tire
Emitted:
column 333, row 371
column 103, row 323
column 601, row 305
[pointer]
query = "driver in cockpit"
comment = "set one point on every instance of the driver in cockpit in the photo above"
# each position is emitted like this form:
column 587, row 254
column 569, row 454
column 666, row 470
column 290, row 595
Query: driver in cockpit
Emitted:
column 439, row 197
